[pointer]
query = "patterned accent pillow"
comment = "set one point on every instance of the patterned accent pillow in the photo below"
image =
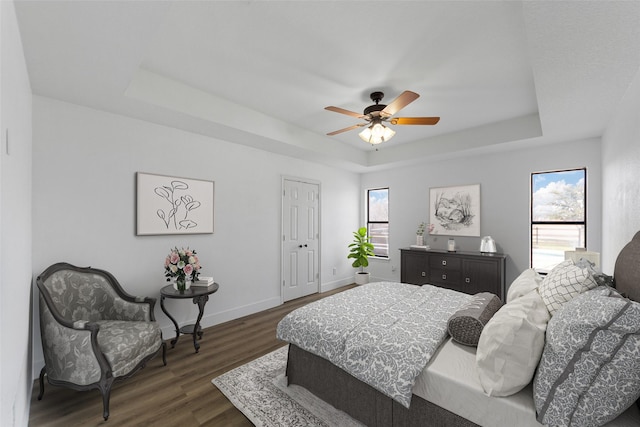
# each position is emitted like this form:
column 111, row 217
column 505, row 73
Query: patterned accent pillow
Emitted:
column 564, row 283
column 466, row 324
column 590, row 370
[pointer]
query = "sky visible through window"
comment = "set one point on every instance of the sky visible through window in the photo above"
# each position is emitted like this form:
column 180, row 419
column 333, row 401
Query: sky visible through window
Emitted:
column 569, row 177
column 558, row 196
column 557, row 215
column 378, row 221
column 379, row 205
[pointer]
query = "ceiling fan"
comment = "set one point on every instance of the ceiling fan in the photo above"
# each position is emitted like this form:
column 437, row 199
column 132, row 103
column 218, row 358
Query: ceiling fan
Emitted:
column 374, row 115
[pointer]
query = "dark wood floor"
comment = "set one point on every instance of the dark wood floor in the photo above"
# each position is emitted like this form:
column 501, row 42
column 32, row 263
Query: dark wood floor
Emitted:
column 179, row 394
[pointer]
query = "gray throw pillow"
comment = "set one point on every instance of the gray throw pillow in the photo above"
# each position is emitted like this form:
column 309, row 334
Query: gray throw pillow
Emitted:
column 466, row 324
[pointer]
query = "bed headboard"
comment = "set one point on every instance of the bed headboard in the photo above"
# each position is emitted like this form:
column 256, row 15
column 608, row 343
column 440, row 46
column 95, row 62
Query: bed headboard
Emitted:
column 627, row 270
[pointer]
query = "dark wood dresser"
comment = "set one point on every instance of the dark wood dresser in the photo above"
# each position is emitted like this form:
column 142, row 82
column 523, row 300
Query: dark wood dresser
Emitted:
column 469, row 272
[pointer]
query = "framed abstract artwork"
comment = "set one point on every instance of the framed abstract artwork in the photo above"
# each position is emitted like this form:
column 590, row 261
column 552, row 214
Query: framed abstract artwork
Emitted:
column 455, row 211
column 173, row 205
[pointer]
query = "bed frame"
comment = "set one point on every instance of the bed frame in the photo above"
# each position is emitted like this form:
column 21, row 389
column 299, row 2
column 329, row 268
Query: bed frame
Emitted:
column 374, row 409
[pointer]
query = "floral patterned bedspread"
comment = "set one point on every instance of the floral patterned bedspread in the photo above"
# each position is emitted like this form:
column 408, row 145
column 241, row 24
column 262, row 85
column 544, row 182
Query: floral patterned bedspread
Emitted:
column 382, row 333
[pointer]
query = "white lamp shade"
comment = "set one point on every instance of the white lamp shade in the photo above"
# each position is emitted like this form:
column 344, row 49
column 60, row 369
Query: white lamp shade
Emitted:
column 376, row 134
column 593, row 257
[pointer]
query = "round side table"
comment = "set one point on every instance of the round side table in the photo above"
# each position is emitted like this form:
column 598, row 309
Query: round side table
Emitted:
column 200, row 296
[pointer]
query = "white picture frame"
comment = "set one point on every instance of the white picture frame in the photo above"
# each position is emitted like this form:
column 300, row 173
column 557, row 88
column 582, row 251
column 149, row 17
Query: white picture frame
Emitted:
column 173, row 205
column 455, row 211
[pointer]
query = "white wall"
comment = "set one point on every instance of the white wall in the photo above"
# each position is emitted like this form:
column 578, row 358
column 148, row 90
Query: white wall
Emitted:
column 621, row 176
column 84, row 197
column 15, row 225
column 504, row 179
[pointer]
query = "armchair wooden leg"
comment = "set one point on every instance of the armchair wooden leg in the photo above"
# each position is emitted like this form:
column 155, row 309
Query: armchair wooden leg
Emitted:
column 105, row 406
column 164, row 353
column 42, row 372
column 105, row 388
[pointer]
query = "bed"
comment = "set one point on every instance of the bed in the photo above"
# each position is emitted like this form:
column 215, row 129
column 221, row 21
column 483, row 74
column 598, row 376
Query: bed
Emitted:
column 448, row 391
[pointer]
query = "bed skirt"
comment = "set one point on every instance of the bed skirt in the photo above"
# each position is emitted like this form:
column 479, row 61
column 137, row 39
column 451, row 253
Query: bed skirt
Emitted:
column 360, row 400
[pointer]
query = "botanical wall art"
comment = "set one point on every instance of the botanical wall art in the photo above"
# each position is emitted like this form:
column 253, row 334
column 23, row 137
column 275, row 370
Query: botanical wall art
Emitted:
column 171, row 205
column 455, row 211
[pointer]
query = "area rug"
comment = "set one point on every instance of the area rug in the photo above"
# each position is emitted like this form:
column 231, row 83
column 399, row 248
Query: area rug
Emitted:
column 259, row 390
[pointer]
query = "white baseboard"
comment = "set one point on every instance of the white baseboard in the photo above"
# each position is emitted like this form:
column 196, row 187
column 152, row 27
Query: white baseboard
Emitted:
column 329, row 286
column 212, row 319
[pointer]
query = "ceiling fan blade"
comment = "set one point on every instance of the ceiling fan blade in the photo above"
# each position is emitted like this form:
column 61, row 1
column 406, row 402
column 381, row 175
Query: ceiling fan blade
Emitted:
column 335, row 132
column 414, row 120
column 405, row 98
column 343, row 111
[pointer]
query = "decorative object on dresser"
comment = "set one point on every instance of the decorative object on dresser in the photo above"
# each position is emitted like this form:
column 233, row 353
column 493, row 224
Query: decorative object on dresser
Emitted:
column 360, row 250
column 469, row 272
column 455, row 211
column 420, row 242
column 93, row 332
column 488, row 245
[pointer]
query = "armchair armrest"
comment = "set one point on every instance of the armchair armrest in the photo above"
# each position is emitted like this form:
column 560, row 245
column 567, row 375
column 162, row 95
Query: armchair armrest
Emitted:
column 133, row 308
column 67, row 345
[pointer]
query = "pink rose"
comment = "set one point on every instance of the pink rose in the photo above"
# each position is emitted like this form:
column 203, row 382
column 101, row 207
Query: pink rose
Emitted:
column 188, row 269
column 174, row 258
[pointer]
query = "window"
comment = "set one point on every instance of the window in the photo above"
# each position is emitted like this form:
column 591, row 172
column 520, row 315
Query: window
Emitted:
column 558, row 215
column 378, row 220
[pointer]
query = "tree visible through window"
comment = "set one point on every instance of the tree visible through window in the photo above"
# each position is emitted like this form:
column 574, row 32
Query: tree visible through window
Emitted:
column 558, row 215
column 378, row 220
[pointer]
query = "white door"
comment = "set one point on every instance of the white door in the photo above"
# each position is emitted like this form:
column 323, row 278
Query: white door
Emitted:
column 300, row 239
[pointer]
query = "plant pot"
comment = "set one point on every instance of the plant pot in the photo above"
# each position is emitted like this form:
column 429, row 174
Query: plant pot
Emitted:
column 362, row 278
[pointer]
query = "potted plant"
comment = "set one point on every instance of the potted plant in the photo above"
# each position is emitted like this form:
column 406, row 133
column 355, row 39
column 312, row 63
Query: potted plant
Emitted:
column 360, row 251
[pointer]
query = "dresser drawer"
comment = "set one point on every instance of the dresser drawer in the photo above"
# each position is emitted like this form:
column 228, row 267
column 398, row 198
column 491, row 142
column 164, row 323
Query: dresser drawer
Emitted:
column 444, row 262
column 441, row 276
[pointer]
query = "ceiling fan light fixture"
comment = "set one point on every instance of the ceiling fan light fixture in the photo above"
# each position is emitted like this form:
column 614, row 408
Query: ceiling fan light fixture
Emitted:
column 376, row 133
column 374, row 115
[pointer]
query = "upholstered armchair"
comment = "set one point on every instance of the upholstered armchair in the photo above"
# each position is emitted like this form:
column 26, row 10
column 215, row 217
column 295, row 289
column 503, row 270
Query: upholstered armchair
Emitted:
column 93, row 333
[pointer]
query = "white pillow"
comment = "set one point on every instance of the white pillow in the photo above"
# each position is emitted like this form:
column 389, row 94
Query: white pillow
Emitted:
column 511, row 344
column 527, row 281
column 563, row 283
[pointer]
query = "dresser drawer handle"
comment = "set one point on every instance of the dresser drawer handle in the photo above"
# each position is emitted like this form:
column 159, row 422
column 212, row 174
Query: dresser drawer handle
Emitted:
column 444, row 262
column 467, row 280
column 444, row 277
column 424, row 274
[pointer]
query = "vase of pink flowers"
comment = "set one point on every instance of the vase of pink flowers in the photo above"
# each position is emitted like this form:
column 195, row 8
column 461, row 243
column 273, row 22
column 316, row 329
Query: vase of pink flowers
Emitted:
column 182, row 267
